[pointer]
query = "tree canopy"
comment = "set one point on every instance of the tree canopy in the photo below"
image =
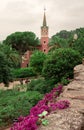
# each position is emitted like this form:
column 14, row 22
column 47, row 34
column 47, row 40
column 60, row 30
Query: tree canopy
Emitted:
column 65, row 39
column 22, row 41
column 36, row 61
column 60, row 64
column 5, row 70
column 11, row 55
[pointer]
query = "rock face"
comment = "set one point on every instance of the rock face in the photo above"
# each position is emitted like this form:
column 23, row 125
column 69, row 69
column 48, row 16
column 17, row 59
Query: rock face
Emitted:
column 73, row 117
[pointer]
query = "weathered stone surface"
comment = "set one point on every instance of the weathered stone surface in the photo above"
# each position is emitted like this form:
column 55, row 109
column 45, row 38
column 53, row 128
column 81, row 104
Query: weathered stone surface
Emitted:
column 83, row 61
column 73, row 117
column 68, row 119
column 79, row 72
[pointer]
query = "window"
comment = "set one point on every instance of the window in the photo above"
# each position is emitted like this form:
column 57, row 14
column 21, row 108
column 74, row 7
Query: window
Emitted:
column 44, row 50
column 44, row 41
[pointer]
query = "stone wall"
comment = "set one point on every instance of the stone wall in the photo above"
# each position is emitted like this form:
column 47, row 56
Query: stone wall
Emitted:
column 73, row 117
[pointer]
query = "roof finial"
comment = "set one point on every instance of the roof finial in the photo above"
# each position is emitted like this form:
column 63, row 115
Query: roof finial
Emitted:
column 44, row 19
column 44, row 8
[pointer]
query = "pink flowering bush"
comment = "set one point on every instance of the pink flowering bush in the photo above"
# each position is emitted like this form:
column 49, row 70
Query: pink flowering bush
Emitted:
column 48, row 103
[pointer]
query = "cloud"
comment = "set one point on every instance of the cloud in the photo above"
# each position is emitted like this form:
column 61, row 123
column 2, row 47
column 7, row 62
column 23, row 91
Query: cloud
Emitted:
column 21, row 15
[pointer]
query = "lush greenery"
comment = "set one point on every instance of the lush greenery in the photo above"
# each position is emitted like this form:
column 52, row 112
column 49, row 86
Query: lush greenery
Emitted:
column 11, row 55
column 14, row 103
column 9, row 59
column 60, row 63
column 43, row 108
column 23, row 72
column 11, row 50
column 65, row 39
column 79, row 45
column 5, row 70
column 36, row 61
column 54, row 67
column 41, row 85
column 22, row 41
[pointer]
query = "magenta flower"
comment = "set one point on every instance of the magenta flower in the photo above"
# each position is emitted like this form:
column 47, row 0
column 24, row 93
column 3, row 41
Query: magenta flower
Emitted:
column 46, row 104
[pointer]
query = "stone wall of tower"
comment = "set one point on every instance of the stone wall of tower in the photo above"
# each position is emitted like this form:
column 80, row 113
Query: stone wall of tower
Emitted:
column 44, row 36
column 44, row 44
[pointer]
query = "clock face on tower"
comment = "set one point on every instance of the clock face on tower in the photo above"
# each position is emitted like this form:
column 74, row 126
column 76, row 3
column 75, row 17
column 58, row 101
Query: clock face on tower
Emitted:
column 44, row 31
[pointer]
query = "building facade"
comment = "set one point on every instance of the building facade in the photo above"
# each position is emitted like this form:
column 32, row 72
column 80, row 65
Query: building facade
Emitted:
column 43, row 43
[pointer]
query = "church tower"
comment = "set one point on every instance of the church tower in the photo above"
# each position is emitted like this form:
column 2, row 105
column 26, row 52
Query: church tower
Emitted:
column 43, row 43
column 44, row 35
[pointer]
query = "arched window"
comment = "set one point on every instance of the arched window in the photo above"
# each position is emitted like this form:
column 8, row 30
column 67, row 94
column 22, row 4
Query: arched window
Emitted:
column 44, row 41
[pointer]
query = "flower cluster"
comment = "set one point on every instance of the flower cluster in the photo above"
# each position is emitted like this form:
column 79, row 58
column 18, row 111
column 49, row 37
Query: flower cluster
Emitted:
column 48, row 103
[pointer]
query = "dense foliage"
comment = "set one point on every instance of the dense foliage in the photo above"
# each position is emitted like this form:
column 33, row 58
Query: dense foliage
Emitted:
column 57, row 67
column 36, row 61
column 9, row 59
column 60, row 63
column 41, row 85
column 14, row 103
column 40, row 110
column 5, row 70
column 79, row 45
column 11, row 55
column 22, row 41
column 64, row 39
column 23, row 72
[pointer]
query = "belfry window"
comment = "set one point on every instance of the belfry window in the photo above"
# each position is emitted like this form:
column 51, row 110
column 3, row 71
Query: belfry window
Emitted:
column 44, row 41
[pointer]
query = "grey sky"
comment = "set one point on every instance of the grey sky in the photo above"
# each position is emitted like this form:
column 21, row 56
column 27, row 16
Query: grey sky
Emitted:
column 27, row 15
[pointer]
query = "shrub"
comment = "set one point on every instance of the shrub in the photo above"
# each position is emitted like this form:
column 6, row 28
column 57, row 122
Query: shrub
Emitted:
column 23, row 72
column 37, row 60
column 41, row 85
column 79, row 45
column 14, row 104
column 65, row 81
column 5, row 70
column 41, row 110
column 60, row 63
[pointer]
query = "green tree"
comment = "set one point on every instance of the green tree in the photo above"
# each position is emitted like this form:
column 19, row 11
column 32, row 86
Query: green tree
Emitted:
column 58, row 42
column 36, row 61
column 79, row 32
column 62, row 39
column 60, row 63
column 22, row 41
column 79, row 45
column 64, row 34
column 5, row 70
column 11, row 55
column 68, row 39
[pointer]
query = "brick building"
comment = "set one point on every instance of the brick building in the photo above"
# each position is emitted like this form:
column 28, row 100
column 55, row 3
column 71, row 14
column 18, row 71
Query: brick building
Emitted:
column 43, row 43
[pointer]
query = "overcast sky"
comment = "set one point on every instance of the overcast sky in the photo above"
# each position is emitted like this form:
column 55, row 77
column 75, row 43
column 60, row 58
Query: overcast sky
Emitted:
column 27, row 15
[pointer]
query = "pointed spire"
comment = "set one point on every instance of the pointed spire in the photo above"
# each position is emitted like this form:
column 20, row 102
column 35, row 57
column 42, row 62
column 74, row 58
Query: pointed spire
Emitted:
column 44, row 19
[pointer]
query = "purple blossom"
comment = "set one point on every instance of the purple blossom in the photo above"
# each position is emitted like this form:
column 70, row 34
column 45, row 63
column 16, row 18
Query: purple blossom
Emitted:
column 41, row 102
column 48, row 96
column 46, row 104
column 62, row 104
column 52, row 106
column 20, row 118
